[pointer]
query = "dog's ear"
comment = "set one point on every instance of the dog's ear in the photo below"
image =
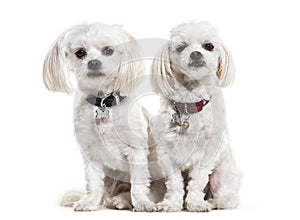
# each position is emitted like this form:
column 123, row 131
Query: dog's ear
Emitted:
column 226, row 69
column 55, row 74
column 131, row 66
column 161, row 73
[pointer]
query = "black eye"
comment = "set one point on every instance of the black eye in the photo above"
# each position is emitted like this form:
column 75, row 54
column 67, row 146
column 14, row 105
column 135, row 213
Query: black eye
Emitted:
column 208, row 46
column 80, row 53
column 107, row 51
column 180, row 48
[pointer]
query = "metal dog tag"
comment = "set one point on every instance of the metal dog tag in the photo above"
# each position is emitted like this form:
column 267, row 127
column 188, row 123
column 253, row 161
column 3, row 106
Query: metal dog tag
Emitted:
column 181, row 120
column 176, row 119
column 102, row 112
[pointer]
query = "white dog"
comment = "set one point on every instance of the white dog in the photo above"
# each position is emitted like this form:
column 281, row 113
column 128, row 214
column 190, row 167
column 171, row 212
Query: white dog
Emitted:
column 195, row 144
column 110, row 127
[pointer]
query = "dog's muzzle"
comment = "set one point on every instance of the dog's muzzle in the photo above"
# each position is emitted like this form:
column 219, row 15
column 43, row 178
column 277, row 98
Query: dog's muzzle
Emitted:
column 94, row 67
column 196, row 59
column 95, row 74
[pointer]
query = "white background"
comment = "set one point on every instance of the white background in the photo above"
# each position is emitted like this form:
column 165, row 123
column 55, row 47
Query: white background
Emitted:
column 39, row 156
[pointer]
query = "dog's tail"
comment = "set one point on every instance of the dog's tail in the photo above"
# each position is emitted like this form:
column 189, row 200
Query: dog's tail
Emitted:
column 70, row 197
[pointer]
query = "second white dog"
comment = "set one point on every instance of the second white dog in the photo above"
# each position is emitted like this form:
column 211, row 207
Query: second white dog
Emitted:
column 188, row 74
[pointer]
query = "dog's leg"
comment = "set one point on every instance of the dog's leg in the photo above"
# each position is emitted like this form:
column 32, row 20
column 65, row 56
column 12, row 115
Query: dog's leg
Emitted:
column 94, row 189
column 225, row 184
column 140, row 180
column 173, row 199
column 117, row 195
column 194, row 201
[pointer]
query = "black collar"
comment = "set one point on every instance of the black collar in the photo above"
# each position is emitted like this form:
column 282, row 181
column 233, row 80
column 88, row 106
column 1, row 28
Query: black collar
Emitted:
column 107, row 101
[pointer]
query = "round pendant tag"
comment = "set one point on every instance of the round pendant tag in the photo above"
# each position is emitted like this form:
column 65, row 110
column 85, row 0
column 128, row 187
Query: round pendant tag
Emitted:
column 185, row 125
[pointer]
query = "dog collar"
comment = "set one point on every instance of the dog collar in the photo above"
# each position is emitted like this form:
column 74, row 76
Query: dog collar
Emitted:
column 107, row 101
column 183, row 111
column 189, row 108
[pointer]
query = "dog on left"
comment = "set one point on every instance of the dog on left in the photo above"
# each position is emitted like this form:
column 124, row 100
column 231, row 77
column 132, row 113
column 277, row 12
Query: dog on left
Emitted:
column 110, row 127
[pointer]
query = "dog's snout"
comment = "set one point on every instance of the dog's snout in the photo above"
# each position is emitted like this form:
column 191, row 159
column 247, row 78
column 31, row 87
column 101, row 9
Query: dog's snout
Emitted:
column 196, row 55
column 94, row 65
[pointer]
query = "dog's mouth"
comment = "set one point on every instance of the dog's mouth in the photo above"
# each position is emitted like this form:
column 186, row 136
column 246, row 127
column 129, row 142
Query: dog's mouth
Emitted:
column 95, row 74
column 196, row 64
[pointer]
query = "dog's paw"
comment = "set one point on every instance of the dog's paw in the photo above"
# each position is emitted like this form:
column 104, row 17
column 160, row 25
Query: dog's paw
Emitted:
column 86, row 205
column 147, row 206
column 119, row 202
column 224, row 203
column 167, row 206
column 202, row 206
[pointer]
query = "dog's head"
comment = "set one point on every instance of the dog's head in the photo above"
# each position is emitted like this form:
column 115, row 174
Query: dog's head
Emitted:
column 194, row 53
column 101, row 57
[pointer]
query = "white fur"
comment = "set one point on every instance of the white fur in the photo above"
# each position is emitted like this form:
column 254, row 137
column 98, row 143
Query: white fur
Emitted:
column 110, row 147
column 204, row 149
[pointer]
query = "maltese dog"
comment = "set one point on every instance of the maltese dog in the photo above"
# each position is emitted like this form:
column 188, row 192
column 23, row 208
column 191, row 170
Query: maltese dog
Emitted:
column 195, row 152
column 110, row 126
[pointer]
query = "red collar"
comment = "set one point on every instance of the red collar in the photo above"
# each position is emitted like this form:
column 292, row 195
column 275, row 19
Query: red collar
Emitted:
column 189, row 107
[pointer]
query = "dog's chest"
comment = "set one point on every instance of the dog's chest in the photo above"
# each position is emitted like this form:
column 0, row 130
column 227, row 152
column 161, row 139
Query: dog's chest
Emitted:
column 187, row 146
column 113, row 130
column 103, row 139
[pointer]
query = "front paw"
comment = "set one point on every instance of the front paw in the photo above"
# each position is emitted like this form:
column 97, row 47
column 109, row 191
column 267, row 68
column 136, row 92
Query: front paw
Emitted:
column 121, row 202
column 224, row 203
column 201, row 206
column 85, row 205
column 168, row 206
column 146, row 206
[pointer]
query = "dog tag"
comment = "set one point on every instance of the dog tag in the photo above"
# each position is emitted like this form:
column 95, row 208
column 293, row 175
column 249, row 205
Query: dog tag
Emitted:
column 176, row 119
column 102, row 112
column 185, row 125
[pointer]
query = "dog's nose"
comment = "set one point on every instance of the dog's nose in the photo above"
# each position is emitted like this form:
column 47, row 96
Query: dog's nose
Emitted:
column 94, row 64
column 196, row 55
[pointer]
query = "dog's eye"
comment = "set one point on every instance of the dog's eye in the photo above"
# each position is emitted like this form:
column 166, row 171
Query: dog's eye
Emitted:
column 107, row 51
column 80, row 53
column 208, row 46
column 180, row 48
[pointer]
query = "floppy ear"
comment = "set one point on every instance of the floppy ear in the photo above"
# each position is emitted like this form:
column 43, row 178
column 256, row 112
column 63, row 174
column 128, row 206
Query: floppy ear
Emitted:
column 161, row 73
column 131, row 66
column 55, row 74
column 226, row 69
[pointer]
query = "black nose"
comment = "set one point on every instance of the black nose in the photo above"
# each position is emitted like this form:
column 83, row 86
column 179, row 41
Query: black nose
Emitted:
column 196, row 55
column 94, row 64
